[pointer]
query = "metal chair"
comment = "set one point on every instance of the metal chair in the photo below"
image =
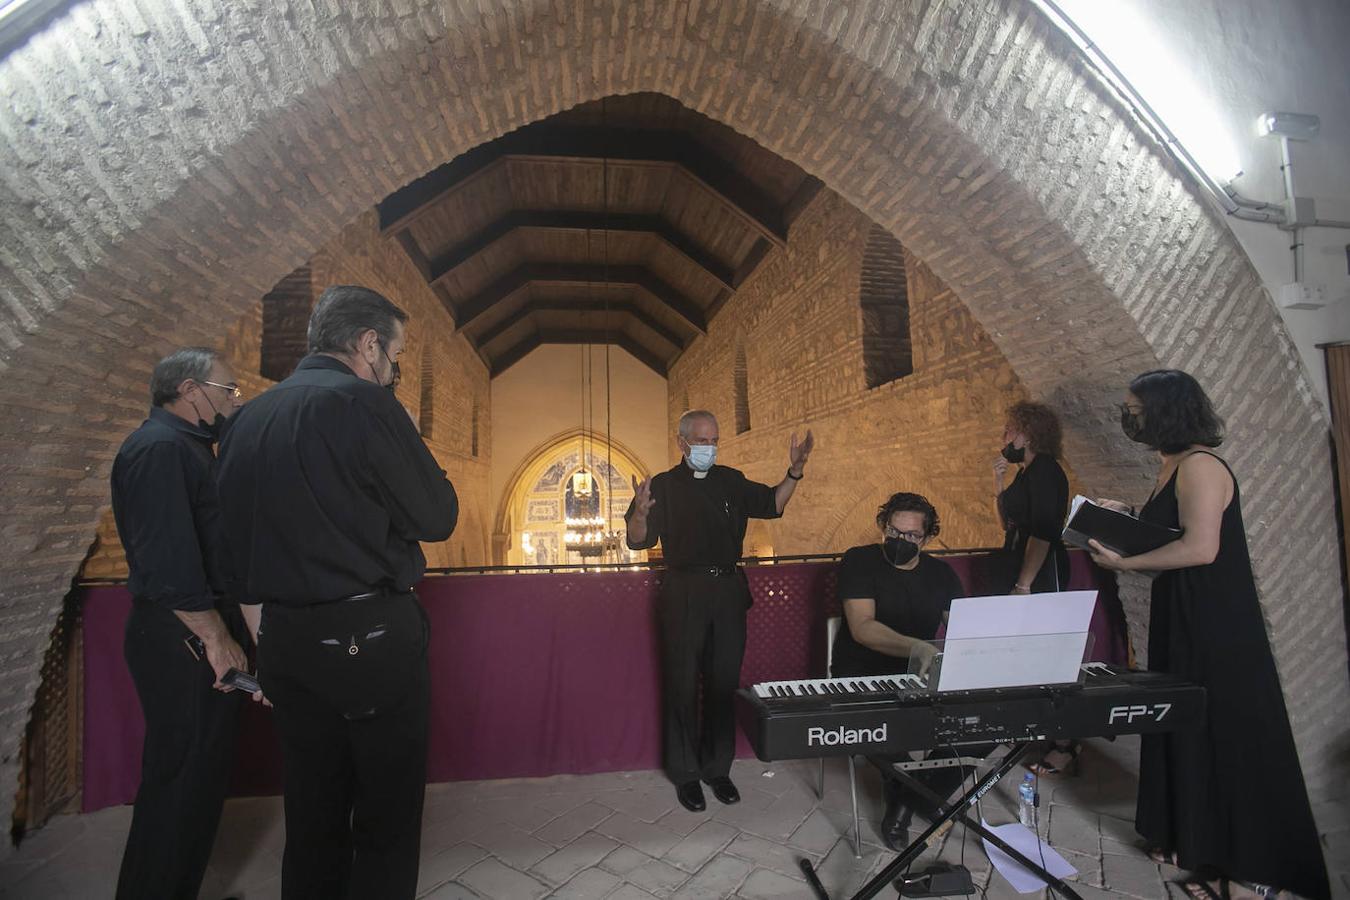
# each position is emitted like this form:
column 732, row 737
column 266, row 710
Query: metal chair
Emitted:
column 832, row 629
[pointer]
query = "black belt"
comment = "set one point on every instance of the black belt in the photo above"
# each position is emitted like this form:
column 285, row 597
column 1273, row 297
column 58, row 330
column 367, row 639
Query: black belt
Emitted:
column 715, row 571
column 377, row 594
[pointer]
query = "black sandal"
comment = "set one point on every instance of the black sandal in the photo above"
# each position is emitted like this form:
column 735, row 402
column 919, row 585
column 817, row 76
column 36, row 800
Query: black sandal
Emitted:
column 1162, row 857
column 1199, row 888
column 1042, row 767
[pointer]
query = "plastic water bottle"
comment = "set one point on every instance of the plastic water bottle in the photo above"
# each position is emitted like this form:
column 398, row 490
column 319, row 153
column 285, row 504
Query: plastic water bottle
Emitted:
column 1026, row 804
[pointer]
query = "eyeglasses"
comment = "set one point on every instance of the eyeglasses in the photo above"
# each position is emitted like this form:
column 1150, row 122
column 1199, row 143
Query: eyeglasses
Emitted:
column 231, row 389
column 1125, row 408
column 914, row 537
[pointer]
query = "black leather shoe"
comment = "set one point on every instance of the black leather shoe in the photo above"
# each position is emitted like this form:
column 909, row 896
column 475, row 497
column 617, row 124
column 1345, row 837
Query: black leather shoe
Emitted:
column 691, row 796
column 895, row 821
column 724, row 790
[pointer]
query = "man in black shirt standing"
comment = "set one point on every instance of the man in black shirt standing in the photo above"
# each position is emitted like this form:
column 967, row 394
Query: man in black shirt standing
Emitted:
column 185, row 629
column 698, row 511
column 331, row 489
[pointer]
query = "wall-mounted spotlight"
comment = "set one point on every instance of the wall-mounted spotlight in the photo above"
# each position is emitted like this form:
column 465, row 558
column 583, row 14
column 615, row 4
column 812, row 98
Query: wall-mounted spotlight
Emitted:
column 1295, row 126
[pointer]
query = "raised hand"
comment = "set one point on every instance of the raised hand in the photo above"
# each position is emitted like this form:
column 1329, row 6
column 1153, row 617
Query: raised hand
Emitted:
column 642, row 497
column 1000, row 472
column 798, row 453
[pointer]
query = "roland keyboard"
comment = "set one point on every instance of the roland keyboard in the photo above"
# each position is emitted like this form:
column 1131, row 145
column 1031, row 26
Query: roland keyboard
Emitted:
column 896, row 713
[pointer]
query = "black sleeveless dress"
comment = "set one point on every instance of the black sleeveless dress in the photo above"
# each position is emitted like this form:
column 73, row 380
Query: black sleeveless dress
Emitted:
column 1229, row 795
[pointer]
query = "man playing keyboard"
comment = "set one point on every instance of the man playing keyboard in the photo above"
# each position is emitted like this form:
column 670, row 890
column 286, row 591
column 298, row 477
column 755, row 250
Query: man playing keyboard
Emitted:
column 895, row 598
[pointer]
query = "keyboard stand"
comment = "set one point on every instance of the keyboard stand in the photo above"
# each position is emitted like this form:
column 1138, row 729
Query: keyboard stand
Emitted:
column 957, row 810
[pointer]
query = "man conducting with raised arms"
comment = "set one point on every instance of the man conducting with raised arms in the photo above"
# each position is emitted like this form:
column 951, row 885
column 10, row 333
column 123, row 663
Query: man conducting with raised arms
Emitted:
column 698, row 511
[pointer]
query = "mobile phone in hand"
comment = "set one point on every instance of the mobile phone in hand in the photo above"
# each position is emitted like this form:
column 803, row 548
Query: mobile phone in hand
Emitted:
column 240, row 681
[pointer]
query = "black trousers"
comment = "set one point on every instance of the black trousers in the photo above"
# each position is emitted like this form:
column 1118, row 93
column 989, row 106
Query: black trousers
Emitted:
column 190, row 738
column 351, row 690
column 701, row 620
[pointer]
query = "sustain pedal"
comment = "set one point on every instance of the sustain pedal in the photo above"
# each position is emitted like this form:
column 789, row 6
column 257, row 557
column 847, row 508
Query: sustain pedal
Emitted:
column 938, row 880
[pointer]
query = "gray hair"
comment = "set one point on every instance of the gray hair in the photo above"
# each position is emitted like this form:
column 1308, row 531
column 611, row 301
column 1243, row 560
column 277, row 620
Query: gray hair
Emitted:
column 343, row 312
column 174, row 369
column 687, row 421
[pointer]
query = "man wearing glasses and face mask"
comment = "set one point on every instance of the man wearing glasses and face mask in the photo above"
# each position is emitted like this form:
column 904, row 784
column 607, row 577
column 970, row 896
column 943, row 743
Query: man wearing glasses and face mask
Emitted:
column 698, row 511
column 185, row 629
column 895, row 598
column 331, row 489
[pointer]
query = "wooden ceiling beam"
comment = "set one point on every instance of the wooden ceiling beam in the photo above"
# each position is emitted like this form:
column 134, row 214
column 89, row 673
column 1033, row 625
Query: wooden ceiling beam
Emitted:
column 598, row 337
column 568, row 220
column 519, row 350
column 631, row 310
column 753, row 206
column 513, row 354
column 550, row 273
column 643, row 354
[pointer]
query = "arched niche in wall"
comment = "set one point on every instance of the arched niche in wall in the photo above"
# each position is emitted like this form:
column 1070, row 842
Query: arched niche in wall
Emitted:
column 540, row 497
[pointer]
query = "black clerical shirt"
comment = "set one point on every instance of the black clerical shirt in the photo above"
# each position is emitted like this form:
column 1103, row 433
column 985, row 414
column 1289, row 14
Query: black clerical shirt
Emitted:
column 168, row 515
column 701, row 521
column 330, row 489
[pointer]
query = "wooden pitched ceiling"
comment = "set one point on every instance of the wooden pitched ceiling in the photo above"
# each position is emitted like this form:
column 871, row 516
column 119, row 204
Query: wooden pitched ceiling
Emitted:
column 629, row 221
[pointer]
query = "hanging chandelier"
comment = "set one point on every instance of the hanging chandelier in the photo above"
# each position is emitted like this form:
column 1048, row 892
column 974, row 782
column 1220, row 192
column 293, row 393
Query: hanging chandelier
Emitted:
column 592, row 536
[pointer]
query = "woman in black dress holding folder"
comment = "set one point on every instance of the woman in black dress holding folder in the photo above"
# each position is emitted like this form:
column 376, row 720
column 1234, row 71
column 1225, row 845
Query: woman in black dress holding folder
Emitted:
column 1226, row 800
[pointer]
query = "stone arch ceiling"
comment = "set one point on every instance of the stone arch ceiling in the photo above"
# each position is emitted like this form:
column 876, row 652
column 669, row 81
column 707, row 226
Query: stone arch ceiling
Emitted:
column 162, row 168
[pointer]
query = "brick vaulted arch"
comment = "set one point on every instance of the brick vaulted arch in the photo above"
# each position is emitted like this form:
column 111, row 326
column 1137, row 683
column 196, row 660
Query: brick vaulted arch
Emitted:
column 163, row 168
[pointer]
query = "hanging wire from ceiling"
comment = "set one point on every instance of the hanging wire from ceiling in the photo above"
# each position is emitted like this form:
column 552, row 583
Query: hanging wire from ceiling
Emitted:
column 604, row 223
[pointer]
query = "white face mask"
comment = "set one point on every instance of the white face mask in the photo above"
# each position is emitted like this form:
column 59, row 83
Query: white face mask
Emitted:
column 702, row 456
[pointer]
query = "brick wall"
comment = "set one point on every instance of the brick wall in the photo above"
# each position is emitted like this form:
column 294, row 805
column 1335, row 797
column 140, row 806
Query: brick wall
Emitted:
column 883, row 296
column 164, row 171
column 800, row 322
column 241, row 348
column 285, row 317
column 360, row 256
column 459, row 379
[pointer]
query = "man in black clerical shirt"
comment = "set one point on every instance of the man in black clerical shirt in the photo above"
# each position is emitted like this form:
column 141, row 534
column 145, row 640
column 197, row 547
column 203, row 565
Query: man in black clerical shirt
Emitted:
column 330, row 491
column 698, row 511
column 185, row 627
column 895, row 598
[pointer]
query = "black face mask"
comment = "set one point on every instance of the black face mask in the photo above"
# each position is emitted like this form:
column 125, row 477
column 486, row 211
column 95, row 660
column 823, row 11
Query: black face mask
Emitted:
column 216, row 427
column 899, row 551
column 1133, row 425
column 1014, row 454
column 395, row 376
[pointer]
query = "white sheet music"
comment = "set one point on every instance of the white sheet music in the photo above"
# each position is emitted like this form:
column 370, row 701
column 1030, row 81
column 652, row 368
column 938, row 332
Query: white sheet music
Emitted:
column 1015, row 640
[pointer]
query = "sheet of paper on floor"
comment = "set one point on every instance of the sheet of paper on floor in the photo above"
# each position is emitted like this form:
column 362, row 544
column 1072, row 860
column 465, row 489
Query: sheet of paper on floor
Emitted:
column 1024, row 841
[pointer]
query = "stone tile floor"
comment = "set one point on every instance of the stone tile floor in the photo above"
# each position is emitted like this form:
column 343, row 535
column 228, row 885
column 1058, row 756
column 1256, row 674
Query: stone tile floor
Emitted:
column 623, row 836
